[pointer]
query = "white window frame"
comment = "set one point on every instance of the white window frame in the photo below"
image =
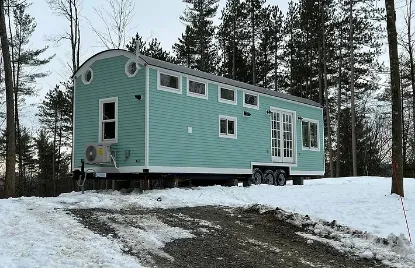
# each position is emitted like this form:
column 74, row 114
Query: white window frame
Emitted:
column 249, row 105
column 128, row 64
column 235, row 102
column 231, row 136
column 318, row 134
column 83, row 76
column 101, row 121
column 169, row 89
column 196, row 95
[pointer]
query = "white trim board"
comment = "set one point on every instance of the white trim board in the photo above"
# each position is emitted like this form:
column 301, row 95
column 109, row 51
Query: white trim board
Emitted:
column 147, row 118
column 306, row 173
column 164, row 169
column 202, row 170
column 73, row 123
column 273, row 164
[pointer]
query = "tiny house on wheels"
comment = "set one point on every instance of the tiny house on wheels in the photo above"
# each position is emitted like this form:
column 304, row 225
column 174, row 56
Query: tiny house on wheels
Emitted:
column 135, row 117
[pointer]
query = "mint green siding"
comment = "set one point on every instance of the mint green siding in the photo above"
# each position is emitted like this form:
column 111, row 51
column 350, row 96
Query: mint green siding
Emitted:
column 170, row 144
column 110, row 80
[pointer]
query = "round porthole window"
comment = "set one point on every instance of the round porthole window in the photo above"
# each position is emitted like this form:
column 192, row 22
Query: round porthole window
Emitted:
column 87, row 77
column 131, row 68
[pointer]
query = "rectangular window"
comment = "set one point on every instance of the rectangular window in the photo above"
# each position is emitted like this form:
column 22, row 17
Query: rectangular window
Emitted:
column 250, row 100
column 310, row 135
column 168, row 81
column 108, row 120
column 197, row 89
column 227, row 95
column 227, row 127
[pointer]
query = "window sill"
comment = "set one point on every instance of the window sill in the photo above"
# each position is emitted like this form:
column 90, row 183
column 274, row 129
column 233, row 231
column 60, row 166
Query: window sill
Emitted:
column 228, row 136
column 311, row 149
column 169, row 89
column 109, row 141
column 251, row 106
column 227, row 101
column 195, row 95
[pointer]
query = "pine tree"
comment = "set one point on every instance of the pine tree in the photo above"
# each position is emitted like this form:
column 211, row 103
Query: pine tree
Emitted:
column 44, row 161
column 24, row 59
column 185, row 48
column 56, row 115
column 254, row 22
column 152, row 49
column 10, row 177
column 231, row 39
column 277, row 36
column 199, row 16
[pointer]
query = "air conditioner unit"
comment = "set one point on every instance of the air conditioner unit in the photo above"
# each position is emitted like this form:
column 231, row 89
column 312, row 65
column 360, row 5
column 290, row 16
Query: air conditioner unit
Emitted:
column 97, row 153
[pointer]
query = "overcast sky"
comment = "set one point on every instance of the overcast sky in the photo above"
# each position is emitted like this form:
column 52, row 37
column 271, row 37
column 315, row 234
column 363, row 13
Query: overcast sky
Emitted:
column 156, row 18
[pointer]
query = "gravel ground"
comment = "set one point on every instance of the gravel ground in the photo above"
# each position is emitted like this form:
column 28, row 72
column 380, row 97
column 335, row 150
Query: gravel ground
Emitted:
column 223, row 237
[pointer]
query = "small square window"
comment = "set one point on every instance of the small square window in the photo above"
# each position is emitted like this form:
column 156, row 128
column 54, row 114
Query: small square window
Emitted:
column 227, row 127
column 169, row 81
column 197, row 88
column 250, row 100
column 227, row 95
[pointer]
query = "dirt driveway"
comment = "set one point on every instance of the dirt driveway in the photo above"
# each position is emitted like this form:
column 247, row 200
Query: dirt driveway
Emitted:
column 213, row 237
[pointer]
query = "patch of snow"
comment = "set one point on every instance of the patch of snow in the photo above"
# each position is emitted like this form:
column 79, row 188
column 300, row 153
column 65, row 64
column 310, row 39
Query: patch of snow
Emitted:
column 147, row 233
column 37, row 230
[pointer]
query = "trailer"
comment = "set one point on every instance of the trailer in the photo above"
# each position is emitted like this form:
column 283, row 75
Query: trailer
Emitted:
column 139, row 117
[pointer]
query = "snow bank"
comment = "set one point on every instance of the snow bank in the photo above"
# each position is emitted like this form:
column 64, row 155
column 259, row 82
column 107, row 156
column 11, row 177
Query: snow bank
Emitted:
column 36, row 231
column 363, row 203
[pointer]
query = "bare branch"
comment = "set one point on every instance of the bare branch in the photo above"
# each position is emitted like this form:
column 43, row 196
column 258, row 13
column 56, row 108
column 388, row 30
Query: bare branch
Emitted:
column 115, row 19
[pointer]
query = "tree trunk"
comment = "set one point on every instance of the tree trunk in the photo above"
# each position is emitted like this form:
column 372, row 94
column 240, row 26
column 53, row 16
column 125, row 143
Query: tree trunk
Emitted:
column 253, row 43
column 411, row 62
column 352, row 98
column 320, row 74
column 54, row 154
column 397, row 181
column 326, row 94
column 11, row 127
column 19, row 182
column 234, row 41
column 339, row 92
column 404, row 129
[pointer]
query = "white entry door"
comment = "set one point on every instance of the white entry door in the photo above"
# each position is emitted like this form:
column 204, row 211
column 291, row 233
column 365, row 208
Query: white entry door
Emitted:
column 282, row 136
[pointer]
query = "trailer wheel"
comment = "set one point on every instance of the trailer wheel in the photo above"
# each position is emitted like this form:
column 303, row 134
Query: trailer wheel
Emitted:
column 269, row 177
column 257, row 177
column 280, row 177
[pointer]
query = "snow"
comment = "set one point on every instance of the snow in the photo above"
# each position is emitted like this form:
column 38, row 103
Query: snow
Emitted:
column 38, row 232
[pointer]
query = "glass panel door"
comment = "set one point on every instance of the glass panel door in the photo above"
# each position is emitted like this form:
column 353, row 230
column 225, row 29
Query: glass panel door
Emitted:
column 282, row 137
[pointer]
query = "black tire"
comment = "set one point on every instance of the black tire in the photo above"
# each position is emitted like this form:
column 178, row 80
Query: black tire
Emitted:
column 269, row 177
column 280, row 177
column 257, row 177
